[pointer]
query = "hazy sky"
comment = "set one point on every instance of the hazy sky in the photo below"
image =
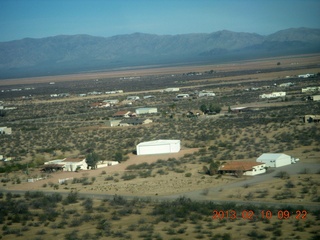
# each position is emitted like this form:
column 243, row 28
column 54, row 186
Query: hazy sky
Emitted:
column 43, row 18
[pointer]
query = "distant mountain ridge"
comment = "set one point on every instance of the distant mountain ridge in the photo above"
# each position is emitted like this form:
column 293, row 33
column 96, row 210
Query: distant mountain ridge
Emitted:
column 72, row 53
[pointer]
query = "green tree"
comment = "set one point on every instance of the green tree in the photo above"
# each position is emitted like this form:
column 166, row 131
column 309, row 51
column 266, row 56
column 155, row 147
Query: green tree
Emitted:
column 92, row 160
column 118, row 156
column 203, row 108
column 214, row 167
column 214, row 108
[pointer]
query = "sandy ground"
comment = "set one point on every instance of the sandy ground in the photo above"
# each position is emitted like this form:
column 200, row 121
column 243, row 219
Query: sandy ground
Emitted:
column 287, row 61
column 162, row 184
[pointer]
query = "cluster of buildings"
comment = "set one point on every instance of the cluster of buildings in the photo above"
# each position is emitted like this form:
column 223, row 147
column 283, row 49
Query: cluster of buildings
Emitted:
column 272, row 95
column 197, row 94
column 72, row 164
column 56, row 95
column 266, row 160
column 128, row 118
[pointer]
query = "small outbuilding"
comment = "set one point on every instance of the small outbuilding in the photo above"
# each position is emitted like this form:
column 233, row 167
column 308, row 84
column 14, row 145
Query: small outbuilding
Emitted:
column 5, row 130
column 158, row 147
column 316, row 98
column 113, row 122
column 275, row 159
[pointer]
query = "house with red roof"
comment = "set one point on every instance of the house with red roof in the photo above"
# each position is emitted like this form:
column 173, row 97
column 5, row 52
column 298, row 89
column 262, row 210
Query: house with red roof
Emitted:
column 242, row 168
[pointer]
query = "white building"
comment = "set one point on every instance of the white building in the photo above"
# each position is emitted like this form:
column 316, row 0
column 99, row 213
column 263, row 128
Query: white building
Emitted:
column 113, row 122
column 172, row 90
column 288, row 84
column 275, row 159
column 310, row 89
column 5, row 130
column 183, row 95
column 70, row 164
column 111, row 101
column 158, row 147
column 146, row 110
column 316, row 98
column 206, row 94
column 134, row 98
column 307, row 75
column 272, row 95
column 148, row 96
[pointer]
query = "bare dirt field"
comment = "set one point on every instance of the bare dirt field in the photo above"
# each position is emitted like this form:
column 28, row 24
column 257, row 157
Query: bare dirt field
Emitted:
column 290, row 62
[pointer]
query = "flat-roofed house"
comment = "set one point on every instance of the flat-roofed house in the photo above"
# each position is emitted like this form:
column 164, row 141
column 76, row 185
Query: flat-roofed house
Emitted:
column 146, row 110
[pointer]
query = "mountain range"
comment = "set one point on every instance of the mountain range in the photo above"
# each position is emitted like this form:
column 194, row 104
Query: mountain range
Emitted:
column 75, row 53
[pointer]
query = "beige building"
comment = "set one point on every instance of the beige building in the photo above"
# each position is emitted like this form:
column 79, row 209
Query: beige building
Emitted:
column 5, row 130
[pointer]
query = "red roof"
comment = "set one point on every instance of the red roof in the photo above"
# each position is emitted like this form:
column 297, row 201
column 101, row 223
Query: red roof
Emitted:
column 121, row 113
column 239, row 165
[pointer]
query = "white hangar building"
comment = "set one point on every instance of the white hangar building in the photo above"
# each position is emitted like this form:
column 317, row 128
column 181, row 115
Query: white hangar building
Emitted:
column 158, row 147
column 275, row 159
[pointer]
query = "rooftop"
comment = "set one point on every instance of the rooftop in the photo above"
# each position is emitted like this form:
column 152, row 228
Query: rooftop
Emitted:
column 239, row 165
column 73, row 159
column 159, row 142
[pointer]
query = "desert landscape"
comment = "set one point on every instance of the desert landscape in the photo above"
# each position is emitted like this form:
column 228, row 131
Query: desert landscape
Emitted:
column 162, row 196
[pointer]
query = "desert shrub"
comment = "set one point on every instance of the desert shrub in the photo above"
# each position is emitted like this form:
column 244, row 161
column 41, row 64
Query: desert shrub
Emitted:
column 109, row 178
column 118, row 200
column 71, row 198
column 138, row 166
column 72, row 235
column 128, row 177
column 289, row 184
column 88, row 204
column 283, row 175
column 249, row 196
column 253, row 234
column 145, row 174
column 287, row 193
column 162, row 172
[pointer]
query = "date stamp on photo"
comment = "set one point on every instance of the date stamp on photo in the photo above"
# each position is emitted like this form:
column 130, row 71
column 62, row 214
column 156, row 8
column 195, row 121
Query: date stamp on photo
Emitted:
column 262, row 215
